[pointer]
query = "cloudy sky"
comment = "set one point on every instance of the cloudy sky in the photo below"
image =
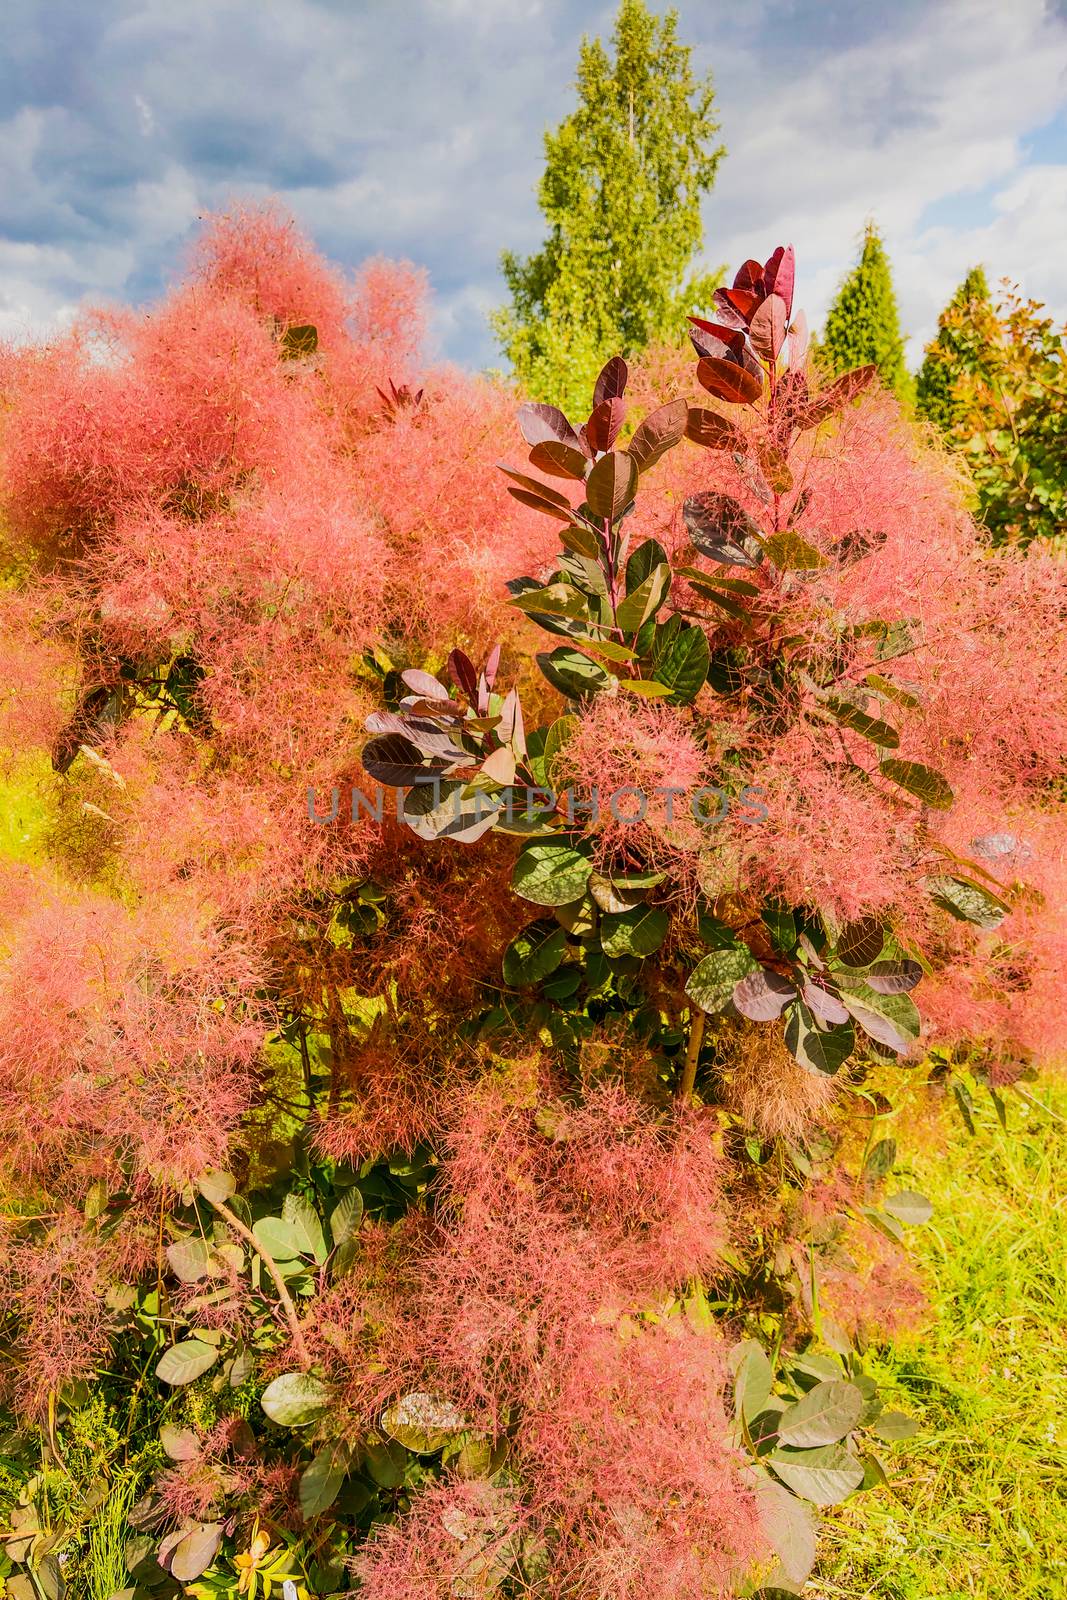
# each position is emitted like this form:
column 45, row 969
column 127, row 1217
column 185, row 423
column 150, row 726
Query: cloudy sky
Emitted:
column 413, row 128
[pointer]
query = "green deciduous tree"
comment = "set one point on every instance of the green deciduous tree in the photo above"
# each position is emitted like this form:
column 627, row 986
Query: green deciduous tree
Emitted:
column 958, row 353
column 862, row 326
column 995, row 382
column 621, row 192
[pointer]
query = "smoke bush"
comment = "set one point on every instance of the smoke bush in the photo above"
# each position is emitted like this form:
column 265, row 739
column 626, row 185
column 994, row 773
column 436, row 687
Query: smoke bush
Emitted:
column 443, row 1125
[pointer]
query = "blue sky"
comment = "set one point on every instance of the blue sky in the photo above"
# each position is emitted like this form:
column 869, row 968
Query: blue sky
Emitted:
column 413, row 128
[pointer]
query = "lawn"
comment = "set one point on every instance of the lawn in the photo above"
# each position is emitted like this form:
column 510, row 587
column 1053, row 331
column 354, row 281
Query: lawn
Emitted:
column 976, row 1505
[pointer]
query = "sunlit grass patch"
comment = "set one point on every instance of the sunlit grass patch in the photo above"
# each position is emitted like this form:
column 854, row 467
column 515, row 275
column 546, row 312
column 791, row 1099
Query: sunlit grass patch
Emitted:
column 976, row 1506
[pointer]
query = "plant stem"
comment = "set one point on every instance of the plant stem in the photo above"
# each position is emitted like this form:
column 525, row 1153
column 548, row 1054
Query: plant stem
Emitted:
column 692, row 1054
column 289, row 1309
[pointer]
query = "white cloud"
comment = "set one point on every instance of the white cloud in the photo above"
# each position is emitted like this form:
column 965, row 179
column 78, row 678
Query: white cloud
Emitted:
column 416, row 130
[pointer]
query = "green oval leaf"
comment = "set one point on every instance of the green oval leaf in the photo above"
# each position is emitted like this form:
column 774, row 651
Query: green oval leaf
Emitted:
column 823, row 1416
column 711, row 984
column 533, row 954
column 682, row 664
column 294, row 1399
column 926, row 784
column 825, row 1476
column 185, row 1361
column 637, row 932
column 551, row 873
column 321, row 1479
column 909, row 1207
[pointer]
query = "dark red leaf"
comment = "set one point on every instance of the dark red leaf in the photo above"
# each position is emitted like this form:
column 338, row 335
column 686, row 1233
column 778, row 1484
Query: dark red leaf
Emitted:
column 749, row 277
column 611, row 384
column 604, row 423
column 727, row 381
column 538, row 423
column 393, row 760
column 740, row 300
column 464, row 674
column 559, row 460
column 537, row 502
column 763, row 995
column 726, row 312
column 709, row 429
column 660, row 432
column 834, row 397
column 779, row 274
column 768, row 328
column 823, row 1005
column 611, row 484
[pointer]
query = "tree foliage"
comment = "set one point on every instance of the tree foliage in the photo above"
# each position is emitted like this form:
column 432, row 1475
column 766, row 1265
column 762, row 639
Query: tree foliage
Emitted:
column 994, row 382
column 966, row 330
column 862, row 325
column 625, row 175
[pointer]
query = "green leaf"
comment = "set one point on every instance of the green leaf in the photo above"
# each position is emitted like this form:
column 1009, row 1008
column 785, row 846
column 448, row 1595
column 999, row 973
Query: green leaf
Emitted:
column 295, row 1399
column 189, row 1258
column 790, row 552
column 753, row 1379
column 781, row 924
column 711, row 983
column 823, row 1416
column 850, row 716
column 572, row 673
column 554, row 600
column 682, row 664
column 859, row 944
column 649, row 555
column 611, row 485
column 881, row 1160
column 909, row 1207
column 534, row 952
column 789, row 1527
column 820, row 1053
column 345, row 1217
column 825, row 1476
column 215, row 1186
column 968, row 901
column 184, row 1362
column 637, row 932
column 645, row 600
column 894, row 1425
column 928, row 785
column 386, row 1463
column 891, row 691
column 646, row 688
column 321, row 1480
column 278, row 1238
column 423, row 1423
column 303, row 1220
column 890, row 1019
column 551, row 873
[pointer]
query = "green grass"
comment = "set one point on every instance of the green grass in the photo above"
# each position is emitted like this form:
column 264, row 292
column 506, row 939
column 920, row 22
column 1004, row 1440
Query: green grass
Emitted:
column 976, row 1506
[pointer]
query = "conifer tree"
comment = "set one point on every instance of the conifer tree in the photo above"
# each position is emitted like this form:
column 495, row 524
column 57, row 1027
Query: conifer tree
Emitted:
column 862, row 326
column 956, row 355
column 624, row 177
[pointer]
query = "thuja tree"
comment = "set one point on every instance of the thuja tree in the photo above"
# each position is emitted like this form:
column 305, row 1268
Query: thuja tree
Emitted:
column 482, row 1182
column 953, row 359
column 625, row 176
column 862, row 325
